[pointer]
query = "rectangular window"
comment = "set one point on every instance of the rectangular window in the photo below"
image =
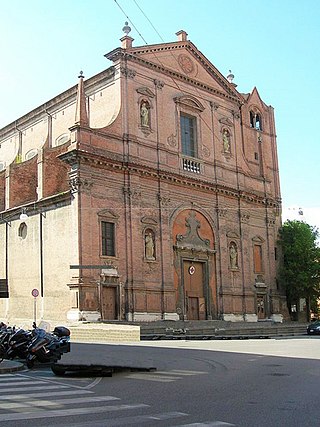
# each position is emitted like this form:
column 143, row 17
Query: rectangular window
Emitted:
column 188, row 130
column 257, row 253
column 108, row 238
column 4, row 292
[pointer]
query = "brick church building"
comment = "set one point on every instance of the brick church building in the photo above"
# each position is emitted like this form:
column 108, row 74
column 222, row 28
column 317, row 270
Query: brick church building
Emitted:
column 148, row 191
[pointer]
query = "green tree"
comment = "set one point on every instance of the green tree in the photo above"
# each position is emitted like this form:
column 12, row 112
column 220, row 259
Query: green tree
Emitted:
column 300, row 269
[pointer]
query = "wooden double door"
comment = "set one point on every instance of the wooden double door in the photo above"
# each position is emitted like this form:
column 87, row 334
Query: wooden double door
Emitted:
column 194, row 285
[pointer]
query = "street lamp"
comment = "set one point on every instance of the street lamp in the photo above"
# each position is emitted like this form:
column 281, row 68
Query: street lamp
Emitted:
column 23, row 215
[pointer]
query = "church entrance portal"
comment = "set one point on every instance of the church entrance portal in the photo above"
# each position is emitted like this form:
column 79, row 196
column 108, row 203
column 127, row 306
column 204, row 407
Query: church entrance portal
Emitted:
column 193, row 281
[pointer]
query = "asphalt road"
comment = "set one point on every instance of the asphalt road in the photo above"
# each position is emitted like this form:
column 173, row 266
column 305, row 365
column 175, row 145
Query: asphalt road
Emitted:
column 249, row 383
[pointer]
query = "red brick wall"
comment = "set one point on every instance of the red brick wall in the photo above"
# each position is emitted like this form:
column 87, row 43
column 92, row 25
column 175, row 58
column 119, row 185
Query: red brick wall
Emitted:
column 55, row 172
column 23, row 182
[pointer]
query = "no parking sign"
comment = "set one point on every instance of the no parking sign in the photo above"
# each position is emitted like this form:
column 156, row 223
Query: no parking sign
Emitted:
column 35, row 293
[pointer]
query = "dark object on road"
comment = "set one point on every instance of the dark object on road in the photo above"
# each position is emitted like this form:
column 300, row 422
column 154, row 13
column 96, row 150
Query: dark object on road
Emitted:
column 97, row 369
column 314, row 328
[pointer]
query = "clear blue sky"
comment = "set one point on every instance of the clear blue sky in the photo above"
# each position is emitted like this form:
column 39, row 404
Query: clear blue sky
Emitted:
column 271, row 44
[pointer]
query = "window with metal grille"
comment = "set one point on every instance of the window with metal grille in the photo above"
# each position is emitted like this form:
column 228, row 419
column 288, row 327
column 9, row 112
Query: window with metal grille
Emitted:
column 108, row 238
column 188, row 129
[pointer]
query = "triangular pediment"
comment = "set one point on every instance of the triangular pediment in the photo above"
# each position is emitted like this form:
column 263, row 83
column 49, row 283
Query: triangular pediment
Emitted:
column 149, row 220
column 182, row 60
column 232, row 235
column 258, row 239
column 146, row 91
column 225, row 121
column 108, row 214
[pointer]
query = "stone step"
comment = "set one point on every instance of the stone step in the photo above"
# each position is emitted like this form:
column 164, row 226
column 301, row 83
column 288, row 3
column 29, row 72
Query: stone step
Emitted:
column 102, row 332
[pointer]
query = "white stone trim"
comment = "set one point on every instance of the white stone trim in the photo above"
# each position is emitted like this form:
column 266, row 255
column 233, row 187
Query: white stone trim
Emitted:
column 277, row 318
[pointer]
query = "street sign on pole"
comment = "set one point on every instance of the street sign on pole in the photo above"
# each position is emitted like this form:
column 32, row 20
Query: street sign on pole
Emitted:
column 35, row 294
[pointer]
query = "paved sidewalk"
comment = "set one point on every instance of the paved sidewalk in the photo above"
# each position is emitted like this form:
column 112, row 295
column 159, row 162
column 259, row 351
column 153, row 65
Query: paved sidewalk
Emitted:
column 7, row 366
column 299, row 347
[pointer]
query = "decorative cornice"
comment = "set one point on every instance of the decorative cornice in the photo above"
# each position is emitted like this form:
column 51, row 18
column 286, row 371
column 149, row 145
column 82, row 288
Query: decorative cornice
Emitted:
column 74, row 157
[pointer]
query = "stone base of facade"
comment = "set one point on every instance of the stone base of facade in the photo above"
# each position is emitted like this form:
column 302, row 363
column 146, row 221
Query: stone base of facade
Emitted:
column 230, row 317
column 277, row 318
column 150, row 317
column 250, row 318
column 74, row 315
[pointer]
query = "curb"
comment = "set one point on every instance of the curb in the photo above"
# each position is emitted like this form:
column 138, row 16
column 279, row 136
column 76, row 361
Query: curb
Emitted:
column 7, row 366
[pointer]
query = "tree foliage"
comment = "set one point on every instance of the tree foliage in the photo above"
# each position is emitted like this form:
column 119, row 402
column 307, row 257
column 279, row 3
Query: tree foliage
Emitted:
column 300, row 269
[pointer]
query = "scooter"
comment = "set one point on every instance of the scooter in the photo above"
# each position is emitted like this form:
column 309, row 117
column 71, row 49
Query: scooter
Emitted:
column 46, row 347
column 5, row 334
column 18, row 343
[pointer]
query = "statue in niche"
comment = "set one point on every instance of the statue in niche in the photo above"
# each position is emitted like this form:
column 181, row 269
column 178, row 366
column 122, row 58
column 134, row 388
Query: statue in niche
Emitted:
column 233, row 256
column 144, row 114
column 226, row 141
column 149, row 246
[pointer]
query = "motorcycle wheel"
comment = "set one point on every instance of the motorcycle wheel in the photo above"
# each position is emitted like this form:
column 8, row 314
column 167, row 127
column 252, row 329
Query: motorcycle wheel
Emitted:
column 58, row 370
column 30, row 363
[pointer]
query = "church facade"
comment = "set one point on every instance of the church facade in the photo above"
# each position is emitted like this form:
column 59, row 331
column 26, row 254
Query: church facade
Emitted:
column 148, row 191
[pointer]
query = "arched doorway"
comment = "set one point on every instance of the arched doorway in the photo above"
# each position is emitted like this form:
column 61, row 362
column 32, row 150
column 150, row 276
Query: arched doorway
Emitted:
column 195, row 277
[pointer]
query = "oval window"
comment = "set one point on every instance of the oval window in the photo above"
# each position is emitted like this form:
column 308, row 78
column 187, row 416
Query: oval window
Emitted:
column 62, row 139
column 31, row 153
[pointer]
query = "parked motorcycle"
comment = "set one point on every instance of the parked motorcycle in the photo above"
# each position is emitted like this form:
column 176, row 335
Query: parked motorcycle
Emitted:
column 5, row 334
column 35, row 344
column 18, row 344
column 46, row 347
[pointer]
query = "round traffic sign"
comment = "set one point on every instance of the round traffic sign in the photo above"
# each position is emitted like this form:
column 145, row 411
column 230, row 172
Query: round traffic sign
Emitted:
column 35, row 293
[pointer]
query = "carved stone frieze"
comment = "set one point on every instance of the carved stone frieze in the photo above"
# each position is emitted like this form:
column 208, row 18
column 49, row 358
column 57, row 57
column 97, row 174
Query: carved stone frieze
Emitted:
column 158, row 83
column 164, row 201
column 244, row 217
column 270, row 222
column 133, row 194
column 235, row 114
column 78, row 184
column 205, row 151
column 222, row 212
column 172, row 140
column 128, row 72
column 214, row 105
column 192, row 240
